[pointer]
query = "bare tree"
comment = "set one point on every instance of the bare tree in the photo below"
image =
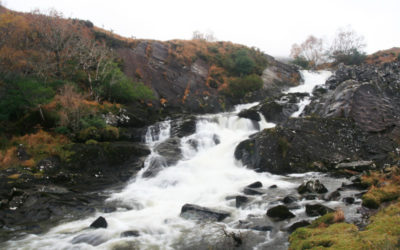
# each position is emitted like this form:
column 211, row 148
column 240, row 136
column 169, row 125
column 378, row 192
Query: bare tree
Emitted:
column 346, row 41
column 312, row 50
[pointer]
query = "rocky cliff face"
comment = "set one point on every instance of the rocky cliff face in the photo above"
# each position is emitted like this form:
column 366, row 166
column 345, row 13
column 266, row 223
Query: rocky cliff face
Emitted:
column 354, row 117
column 182, row 85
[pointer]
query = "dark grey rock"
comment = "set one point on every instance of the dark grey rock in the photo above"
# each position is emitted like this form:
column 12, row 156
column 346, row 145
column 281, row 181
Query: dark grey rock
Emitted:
column 256, row 184
column 100, row 222
column 312, row 186
column 298, row 224
column 251, row 191
column 279, row 213
column 130, row 233
column 195, row 212
column 241, row 200
column 317, row 210
column 289, row 199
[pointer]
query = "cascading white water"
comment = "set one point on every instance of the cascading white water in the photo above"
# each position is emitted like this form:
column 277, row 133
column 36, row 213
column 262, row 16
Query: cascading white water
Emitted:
column 206, row 176
column 311, row 80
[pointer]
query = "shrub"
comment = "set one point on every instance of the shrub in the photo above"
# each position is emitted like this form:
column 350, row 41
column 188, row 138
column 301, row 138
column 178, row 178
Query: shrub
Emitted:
column 110, row 133
column 302, row 62
column 92, row 121
column 21, row 95
column 243, row 64
column 354, row 57
column 89, row 133
column 239, row 87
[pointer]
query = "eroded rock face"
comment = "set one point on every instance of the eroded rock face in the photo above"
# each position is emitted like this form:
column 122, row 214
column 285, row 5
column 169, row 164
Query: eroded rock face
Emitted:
column 185, row 88
column 367, row 94
column 312, row 144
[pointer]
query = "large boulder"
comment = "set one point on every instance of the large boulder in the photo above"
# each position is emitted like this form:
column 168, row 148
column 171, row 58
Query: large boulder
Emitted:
column 312, row 186
column 195, row 212
column 317, row 210
column 184, row 126
column 279, row 213
column 312, row 144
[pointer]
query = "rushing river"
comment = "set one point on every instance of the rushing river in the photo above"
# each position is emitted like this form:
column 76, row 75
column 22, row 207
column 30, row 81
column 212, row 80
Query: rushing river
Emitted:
column 208, row 175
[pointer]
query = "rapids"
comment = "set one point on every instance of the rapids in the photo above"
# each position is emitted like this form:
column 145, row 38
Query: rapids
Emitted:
column 207, row 175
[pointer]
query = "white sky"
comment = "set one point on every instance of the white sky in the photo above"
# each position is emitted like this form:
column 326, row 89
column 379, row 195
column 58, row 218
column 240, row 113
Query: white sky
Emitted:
column 271, row 25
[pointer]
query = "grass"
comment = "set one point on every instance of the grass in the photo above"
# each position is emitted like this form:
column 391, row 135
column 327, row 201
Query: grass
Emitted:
column 382, row 232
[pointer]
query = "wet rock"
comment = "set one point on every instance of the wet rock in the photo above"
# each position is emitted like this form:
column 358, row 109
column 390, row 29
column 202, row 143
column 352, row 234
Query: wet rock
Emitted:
column 279, row 213
column 273, row 186
column 256, row 184
column 170, row 150
column 251, row 191
column 334, row 196
column 317, row 210
column 156, row 164
column 241, row 200
column 90, row 238
column 279, row 110
column 193, row 143
column 358, row 166
column 310, row 197
column 312, row 186
column 250, row 114
column 293, row 206
column 108, row 210
column 296, row 225
column 130, row 233
column 348, row 200
column 289, row 199
column 195, row 212
column 262, row 228
column 184, row 126
column 216, row 139
column 100, row 222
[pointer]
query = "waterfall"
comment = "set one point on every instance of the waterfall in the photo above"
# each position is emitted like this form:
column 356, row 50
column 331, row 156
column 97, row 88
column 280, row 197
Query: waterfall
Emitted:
column 207, row 175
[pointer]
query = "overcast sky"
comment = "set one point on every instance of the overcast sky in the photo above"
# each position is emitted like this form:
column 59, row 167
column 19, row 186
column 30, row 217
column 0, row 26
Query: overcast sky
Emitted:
column 271, row 25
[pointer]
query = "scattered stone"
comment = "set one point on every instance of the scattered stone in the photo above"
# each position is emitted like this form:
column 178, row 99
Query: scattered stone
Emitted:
column 262, row 228
column 279, row 213
column 293, row 206
column 289, row 199
column 298, row 224
column 250, row 191
column 273, row 186
column 130, row 233
column 312, row 187
column 216, row 139
column 99, row 223
column 334, row 196
column 256, row 184
column 241, row 200
column 348, row 200
column 195, row 212
column 310, row 197
column 317, row 210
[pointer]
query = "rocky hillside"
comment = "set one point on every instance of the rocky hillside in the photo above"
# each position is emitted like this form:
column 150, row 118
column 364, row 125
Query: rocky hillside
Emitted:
column 75, row 101
column 352, row 118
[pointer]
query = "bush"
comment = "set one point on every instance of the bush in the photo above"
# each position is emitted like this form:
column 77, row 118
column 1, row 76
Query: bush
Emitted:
column 239, row 87
column 243, row 64
column 116, row 86
column 92, row 121
column 302, row 62
column 110, row 133
column 89, row 133
column 355, row 57
column 62, row 130
column 21, row 95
